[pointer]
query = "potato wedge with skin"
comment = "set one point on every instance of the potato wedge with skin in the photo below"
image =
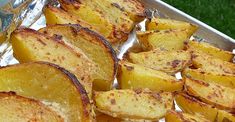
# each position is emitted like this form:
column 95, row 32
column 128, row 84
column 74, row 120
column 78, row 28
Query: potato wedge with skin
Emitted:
column 134, row 104
column 210, row 64
column 134, row 9
column 227, row 80
column 193, row 106
column 50, row 84
column 224, row 116
column 94, row 46
column 96, row 15
column 170, row 62
column 18, row 109
column 133, row 76
column 173, row 116
column 56, row 15
column 30, row 45
column 106, row 118
column 165, row 24
column 207, row 48
column 164, row 39
column 214, row 94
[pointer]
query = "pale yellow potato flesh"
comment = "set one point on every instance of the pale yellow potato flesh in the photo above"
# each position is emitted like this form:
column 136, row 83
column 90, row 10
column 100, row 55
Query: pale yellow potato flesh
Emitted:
column 164, row 39
column 227, row 80
column 29, row 45
column 193, row 106
column 94, row 46
column 173, row 116
column 209, row 49
column 170, row 62
column 134, row 76
column 165, row 24
column 15, row 108
column 134, row 104
column 211, row 93
column 96, row 14
column 210, row 64
column 134, row 9
column 50, row 84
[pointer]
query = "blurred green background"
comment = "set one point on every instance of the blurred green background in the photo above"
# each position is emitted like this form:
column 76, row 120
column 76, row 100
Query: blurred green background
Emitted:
column 220, row 14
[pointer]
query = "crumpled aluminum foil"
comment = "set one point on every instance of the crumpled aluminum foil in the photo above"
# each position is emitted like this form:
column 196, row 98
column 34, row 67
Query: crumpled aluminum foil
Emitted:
column 14, row 13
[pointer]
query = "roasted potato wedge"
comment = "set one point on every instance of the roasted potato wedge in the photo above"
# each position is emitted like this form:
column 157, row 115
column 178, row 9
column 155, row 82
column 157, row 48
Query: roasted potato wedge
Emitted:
column 134, row 9
column 133, row 76
column 207, row 48
column 214, row 94
column 193, row 106
column 224, row 116
column 170, row 62
column 50, row 84
column 134, row 104
column 164, row 39
column 106, row 118
column 210, row 64
column 94, row 46
column 227, row 80
column 173, row 116
column 30, row 45
column 165, row 24
column 97, row 14
column 55, row 15
column 15, row 108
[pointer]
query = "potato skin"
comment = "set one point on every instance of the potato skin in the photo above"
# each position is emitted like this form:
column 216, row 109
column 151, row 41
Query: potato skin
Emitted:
column 173, row 116
column 134, row 9
column 227, row 80
column 66, row 86
column 193, row 106
column 96, row 47
column 211, row 93
column 116, row 26
column 134, row 76
column 30, row 45
column 169, row 62
column 141, row 104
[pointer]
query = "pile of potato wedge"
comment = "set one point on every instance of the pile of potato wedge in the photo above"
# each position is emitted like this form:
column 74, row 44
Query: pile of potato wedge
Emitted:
column 67, row 69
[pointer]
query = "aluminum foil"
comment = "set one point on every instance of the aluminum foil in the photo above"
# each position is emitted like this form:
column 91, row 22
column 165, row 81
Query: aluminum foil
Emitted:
column 14, row 13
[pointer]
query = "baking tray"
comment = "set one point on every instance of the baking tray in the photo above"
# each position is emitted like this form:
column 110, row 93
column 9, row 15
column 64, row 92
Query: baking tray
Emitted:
column 34, row 19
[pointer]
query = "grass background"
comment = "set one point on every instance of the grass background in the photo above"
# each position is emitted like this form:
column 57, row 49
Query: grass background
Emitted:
column 220, row 14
